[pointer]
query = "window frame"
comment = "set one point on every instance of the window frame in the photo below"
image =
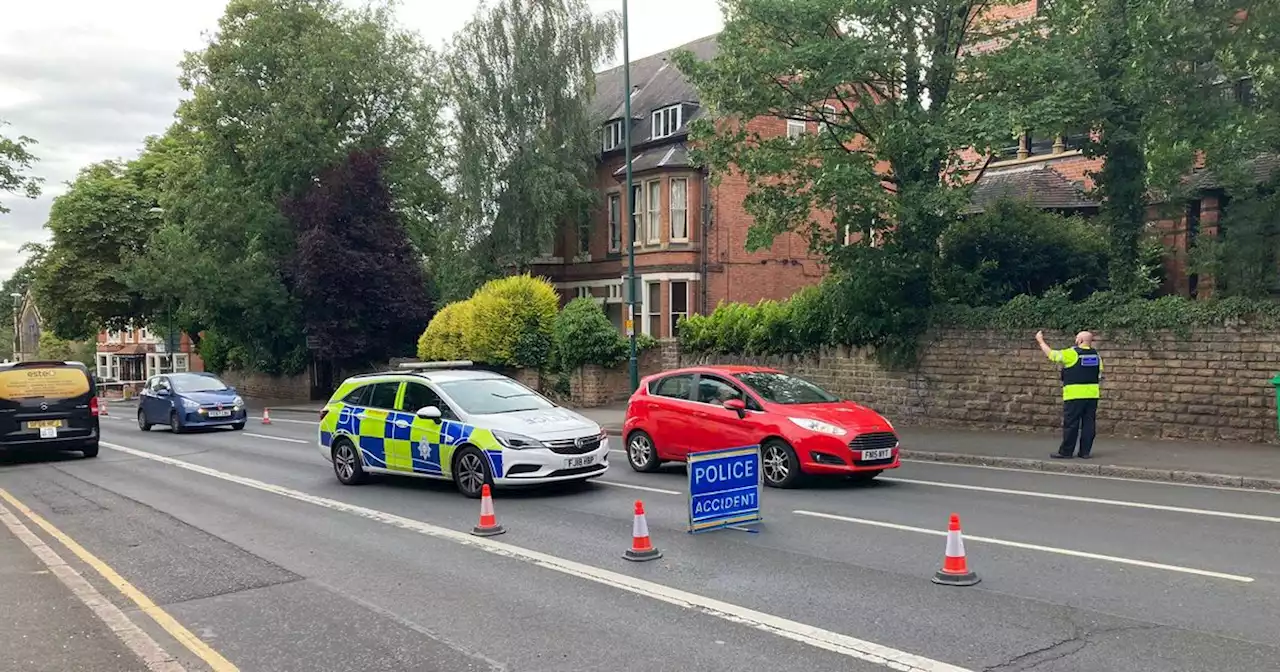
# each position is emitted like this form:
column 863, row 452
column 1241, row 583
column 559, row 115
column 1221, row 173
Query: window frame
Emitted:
column 615, row 221
column 652, row 215
column 584, row 237
column 792, row 124
column 668, row 119
column 683, row 210
column 672, row 313
column 612, row 136
column 652, row 312
column 637, row 213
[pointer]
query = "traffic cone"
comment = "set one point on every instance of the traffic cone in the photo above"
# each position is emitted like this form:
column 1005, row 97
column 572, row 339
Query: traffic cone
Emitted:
column 102, row 410
column 955, row 569
column 641, row 548
column 488, row 526
column 266, row 416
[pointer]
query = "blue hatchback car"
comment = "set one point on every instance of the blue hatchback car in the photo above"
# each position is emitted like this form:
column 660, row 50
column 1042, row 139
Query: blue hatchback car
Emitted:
column 190, row 400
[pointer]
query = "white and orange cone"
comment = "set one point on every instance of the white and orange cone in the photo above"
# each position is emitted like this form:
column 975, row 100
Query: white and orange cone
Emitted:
column 102, row 408
column 266, row 416
column 955, row 568
column 641, row 548
column 488, row 526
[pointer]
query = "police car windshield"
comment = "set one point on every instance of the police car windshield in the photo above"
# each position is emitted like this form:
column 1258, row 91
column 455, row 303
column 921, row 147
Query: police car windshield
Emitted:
column 192, row 383
column 487, row 396
column 780, row 388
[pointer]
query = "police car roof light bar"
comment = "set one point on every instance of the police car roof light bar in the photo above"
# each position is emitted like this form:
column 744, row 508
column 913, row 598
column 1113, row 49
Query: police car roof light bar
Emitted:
column 436, row 365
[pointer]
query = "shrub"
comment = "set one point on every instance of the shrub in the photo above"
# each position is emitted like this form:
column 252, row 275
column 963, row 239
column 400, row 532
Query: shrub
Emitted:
column 446, row 335
column 1014, row 249
column 514, row 321
column 584, row 335
column 798, row 324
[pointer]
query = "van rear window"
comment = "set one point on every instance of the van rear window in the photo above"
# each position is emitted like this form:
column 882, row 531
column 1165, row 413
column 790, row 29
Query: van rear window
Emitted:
column 53, row 382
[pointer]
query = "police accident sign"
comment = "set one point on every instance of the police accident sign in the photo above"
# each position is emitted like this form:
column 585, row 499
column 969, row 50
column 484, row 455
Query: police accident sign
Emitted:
column 724, row 488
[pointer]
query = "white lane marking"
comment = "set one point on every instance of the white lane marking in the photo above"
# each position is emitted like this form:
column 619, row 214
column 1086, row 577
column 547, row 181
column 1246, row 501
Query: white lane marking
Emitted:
column 274, row 438
column 640, row 487
column 297, row 422
column 138, row 641
column 1032, row 547
column 1089, row 500
column 782, row 627
column 1038, row 472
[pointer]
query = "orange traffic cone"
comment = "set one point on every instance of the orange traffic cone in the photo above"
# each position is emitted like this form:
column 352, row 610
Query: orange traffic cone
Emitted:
column 488, row 526
column 955, row 569
column 266, row 416
column 641, row 548
column 102, row 410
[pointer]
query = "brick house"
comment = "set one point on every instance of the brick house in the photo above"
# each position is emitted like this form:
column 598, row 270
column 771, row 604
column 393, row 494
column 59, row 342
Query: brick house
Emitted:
column 690, row 235
column 128, row 358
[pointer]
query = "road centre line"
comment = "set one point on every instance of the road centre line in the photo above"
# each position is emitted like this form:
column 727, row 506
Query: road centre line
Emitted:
column 782, row 627
column 1032, row 547
column 275, row 438
column 212, row 658
column 1087, row 500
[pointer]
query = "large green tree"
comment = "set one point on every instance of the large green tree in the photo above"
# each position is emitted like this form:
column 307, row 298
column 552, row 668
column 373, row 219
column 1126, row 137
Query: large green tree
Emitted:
column 893, row 102
column 15, row 163
column 522, row 74
column 283, row 90
column 1161, row 86
column 97, row 227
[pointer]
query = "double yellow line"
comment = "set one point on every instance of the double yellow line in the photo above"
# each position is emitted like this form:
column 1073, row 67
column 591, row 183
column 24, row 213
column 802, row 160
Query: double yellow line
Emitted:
column 162, row 618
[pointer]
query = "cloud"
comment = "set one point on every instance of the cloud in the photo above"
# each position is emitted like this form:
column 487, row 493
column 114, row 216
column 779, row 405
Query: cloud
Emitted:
column 90, row 80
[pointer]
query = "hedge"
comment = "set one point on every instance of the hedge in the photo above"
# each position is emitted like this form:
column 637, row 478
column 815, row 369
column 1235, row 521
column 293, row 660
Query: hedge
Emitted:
column 445, row 337
column 507, row 322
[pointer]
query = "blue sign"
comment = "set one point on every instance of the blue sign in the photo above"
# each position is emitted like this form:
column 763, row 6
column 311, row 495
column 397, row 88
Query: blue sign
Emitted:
column 724, row 488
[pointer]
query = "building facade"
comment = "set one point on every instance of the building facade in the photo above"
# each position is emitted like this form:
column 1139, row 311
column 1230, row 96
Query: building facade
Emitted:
column 27, row 327
column 126, row 359
column 690, row 235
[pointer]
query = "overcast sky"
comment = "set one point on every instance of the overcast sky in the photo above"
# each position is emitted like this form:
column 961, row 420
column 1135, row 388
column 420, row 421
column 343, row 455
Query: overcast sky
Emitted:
column 89, row 79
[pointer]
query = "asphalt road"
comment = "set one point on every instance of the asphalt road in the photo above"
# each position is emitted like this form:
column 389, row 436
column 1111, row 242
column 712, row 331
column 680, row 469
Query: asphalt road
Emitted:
column 249, row 543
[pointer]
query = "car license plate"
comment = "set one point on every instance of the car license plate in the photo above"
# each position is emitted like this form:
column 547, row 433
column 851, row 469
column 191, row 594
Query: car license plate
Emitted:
column 48, row 432
column 219, row 414
column 43, row 424
column 584, row 461
column 881, row 454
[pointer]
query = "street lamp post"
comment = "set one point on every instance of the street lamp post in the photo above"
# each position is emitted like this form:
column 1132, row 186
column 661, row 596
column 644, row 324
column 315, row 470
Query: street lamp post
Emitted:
column 16, row 298
column 632, row 364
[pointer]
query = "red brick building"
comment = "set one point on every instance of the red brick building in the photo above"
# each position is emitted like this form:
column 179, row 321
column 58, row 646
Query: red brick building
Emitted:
column 690, row 235
column 128, row 358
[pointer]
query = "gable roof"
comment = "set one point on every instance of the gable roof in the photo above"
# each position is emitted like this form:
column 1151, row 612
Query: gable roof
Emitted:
column 1259, row 170
column 656, row 83
column 1042, row 187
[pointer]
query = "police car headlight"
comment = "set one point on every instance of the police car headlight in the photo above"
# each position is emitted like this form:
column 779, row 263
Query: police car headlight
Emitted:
column 516, row 441
column 819, row 426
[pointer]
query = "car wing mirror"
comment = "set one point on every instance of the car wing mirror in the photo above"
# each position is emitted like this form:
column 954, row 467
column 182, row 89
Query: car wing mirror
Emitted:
column 737, row 406
column 431, row 413
column 164, row 392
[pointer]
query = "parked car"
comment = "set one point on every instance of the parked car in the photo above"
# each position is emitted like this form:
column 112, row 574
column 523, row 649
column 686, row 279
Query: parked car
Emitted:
column 189, row 400
column 48, row 405
column 444, row 421
column 800, row 427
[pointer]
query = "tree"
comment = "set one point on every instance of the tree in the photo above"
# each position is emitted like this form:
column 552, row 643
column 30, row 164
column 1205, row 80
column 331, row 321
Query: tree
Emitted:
column 1161, row 86
column 359, row 281
column 15, row 160
column 893, row 102
column 97, row 227
column 283, row 91
column 522, row 74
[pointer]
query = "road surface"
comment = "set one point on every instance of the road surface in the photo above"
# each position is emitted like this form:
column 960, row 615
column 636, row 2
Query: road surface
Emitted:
column 255, row 558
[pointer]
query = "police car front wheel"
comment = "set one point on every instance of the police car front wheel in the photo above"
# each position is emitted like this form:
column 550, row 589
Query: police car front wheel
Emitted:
column 471, row 472
column 346, row 463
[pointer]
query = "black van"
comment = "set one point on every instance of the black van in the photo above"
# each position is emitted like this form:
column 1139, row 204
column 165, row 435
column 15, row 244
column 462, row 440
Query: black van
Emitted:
column 48, row 406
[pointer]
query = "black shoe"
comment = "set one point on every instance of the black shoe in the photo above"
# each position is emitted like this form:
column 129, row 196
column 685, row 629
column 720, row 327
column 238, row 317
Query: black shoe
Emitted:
column 1060, row 456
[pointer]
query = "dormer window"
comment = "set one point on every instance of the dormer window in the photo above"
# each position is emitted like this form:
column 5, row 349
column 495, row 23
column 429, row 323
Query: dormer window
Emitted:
column 613, row 135
column 666, row 121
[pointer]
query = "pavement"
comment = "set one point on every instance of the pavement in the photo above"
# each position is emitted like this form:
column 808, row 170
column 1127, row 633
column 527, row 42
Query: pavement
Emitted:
column 246, row 541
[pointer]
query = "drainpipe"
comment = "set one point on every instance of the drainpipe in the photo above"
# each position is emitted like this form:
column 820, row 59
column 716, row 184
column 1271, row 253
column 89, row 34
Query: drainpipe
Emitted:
column 706, row 244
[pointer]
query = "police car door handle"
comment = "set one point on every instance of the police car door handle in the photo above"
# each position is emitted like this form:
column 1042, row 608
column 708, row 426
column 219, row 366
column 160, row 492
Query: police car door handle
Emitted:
column 401, row 424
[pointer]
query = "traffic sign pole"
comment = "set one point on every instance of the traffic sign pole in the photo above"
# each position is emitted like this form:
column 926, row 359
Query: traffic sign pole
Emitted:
column 633, row 366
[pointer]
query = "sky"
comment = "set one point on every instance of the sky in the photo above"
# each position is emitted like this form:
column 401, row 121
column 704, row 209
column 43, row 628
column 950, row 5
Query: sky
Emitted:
column 90, row 79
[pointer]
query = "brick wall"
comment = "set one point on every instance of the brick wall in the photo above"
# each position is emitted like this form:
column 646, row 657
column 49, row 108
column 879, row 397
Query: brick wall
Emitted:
column 592, row 386
column 262, row 386
column 1213, row 385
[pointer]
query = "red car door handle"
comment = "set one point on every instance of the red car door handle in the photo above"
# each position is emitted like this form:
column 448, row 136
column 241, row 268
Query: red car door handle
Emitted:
column 701, row 414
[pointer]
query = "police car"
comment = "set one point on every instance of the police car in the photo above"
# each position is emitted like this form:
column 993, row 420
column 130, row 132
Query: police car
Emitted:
column 445, row 421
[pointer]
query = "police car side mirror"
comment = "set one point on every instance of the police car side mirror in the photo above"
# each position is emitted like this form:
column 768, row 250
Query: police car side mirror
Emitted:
column 429, row 413
column 737, row 406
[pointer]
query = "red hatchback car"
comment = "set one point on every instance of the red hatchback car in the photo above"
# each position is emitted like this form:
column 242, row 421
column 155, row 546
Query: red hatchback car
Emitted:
column 800, row 428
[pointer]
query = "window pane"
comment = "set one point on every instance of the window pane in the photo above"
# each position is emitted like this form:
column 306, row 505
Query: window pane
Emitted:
column 358, row 396
column 679, row 298
column 384, row 395
column 655, row 209
column 674, row 386
column 615, row 219
column 418, row 396
column 716, row 391
column 637, row 204
column 679, row 209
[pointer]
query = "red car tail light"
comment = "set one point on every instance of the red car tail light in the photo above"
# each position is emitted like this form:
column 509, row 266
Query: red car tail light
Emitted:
column 93, row 407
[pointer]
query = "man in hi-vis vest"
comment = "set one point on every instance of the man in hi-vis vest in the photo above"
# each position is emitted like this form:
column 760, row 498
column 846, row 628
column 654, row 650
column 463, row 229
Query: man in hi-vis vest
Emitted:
column 1081, row 375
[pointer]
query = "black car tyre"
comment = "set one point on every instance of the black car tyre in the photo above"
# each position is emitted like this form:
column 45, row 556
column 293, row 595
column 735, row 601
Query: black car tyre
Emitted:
column 175, row 425
column 142, row 421
column 238, row 426
column 779, row 464
column 641, row 453
column 471, row 472
column 90, row 449
column 346, row 463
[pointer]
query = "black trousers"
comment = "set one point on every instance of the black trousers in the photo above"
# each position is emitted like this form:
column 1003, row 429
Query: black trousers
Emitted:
column 1079, row 418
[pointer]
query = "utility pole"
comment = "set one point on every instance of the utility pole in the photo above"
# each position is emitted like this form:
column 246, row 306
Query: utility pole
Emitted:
column 633, row 365
column 17, row 298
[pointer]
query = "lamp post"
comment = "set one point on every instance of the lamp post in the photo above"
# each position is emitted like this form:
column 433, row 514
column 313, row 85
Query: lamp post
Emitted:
column 169, row 340
column 16, row 298
column 632, row 363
